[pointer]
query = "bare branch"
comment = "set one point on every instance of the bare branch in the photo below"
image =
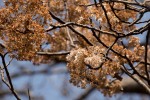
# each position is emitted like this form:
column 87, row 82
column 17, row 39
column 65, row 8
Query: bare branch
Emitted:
column 53, row 53
column 146, row 51
column 75, row 31
column 9, row 78
column 138, row 80
column 86, row 94
column 29, row 94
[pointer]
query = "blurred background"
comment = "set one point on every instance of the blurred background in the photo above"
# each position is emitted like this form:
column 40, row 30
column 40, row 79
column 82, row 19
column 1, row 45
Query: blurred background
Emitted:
column 51, row 82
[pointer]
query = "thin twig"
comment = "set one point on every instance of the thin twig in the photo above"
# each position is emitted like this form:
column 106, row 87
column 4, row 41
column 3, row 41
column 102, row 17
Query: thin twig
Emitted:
column 75, row 31
column 67, row 19
column 8, row 76
column 107, row 18
column 83, row 26
column 9, row 62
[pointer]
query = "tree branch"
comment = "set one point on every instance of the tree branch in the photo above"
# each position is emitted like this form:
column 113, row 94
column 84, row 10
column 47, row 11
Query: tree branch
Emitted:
column 53, row 53
column 9, row 78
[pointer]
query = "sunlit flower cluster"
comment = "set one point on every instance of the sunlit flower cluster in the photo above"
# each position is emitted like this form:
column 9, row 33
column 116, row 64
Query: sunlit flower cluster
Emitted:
column 83, row 67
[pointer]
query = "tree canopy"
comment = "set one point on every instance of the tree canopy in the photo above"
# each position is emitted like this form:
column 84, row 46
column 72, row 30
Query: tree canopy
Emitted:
column 98, row 39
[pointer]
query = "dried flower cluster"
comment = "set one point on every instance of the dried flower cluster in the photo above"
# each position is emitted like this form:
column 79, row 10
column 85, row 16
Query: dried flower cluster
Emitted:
column 85, row 67
column 22, row 24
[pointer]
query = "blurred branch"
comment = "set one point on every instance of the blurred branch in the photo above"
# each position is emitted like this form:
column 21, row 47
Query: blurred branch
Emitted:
column 85, row 94
column 146, row 54
column 29, row 94
column 53, row 53
column 138, row 80
column 128, row 85
column 31, row 72
column 131, row 86
column 6, row 92
column 22, row 92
